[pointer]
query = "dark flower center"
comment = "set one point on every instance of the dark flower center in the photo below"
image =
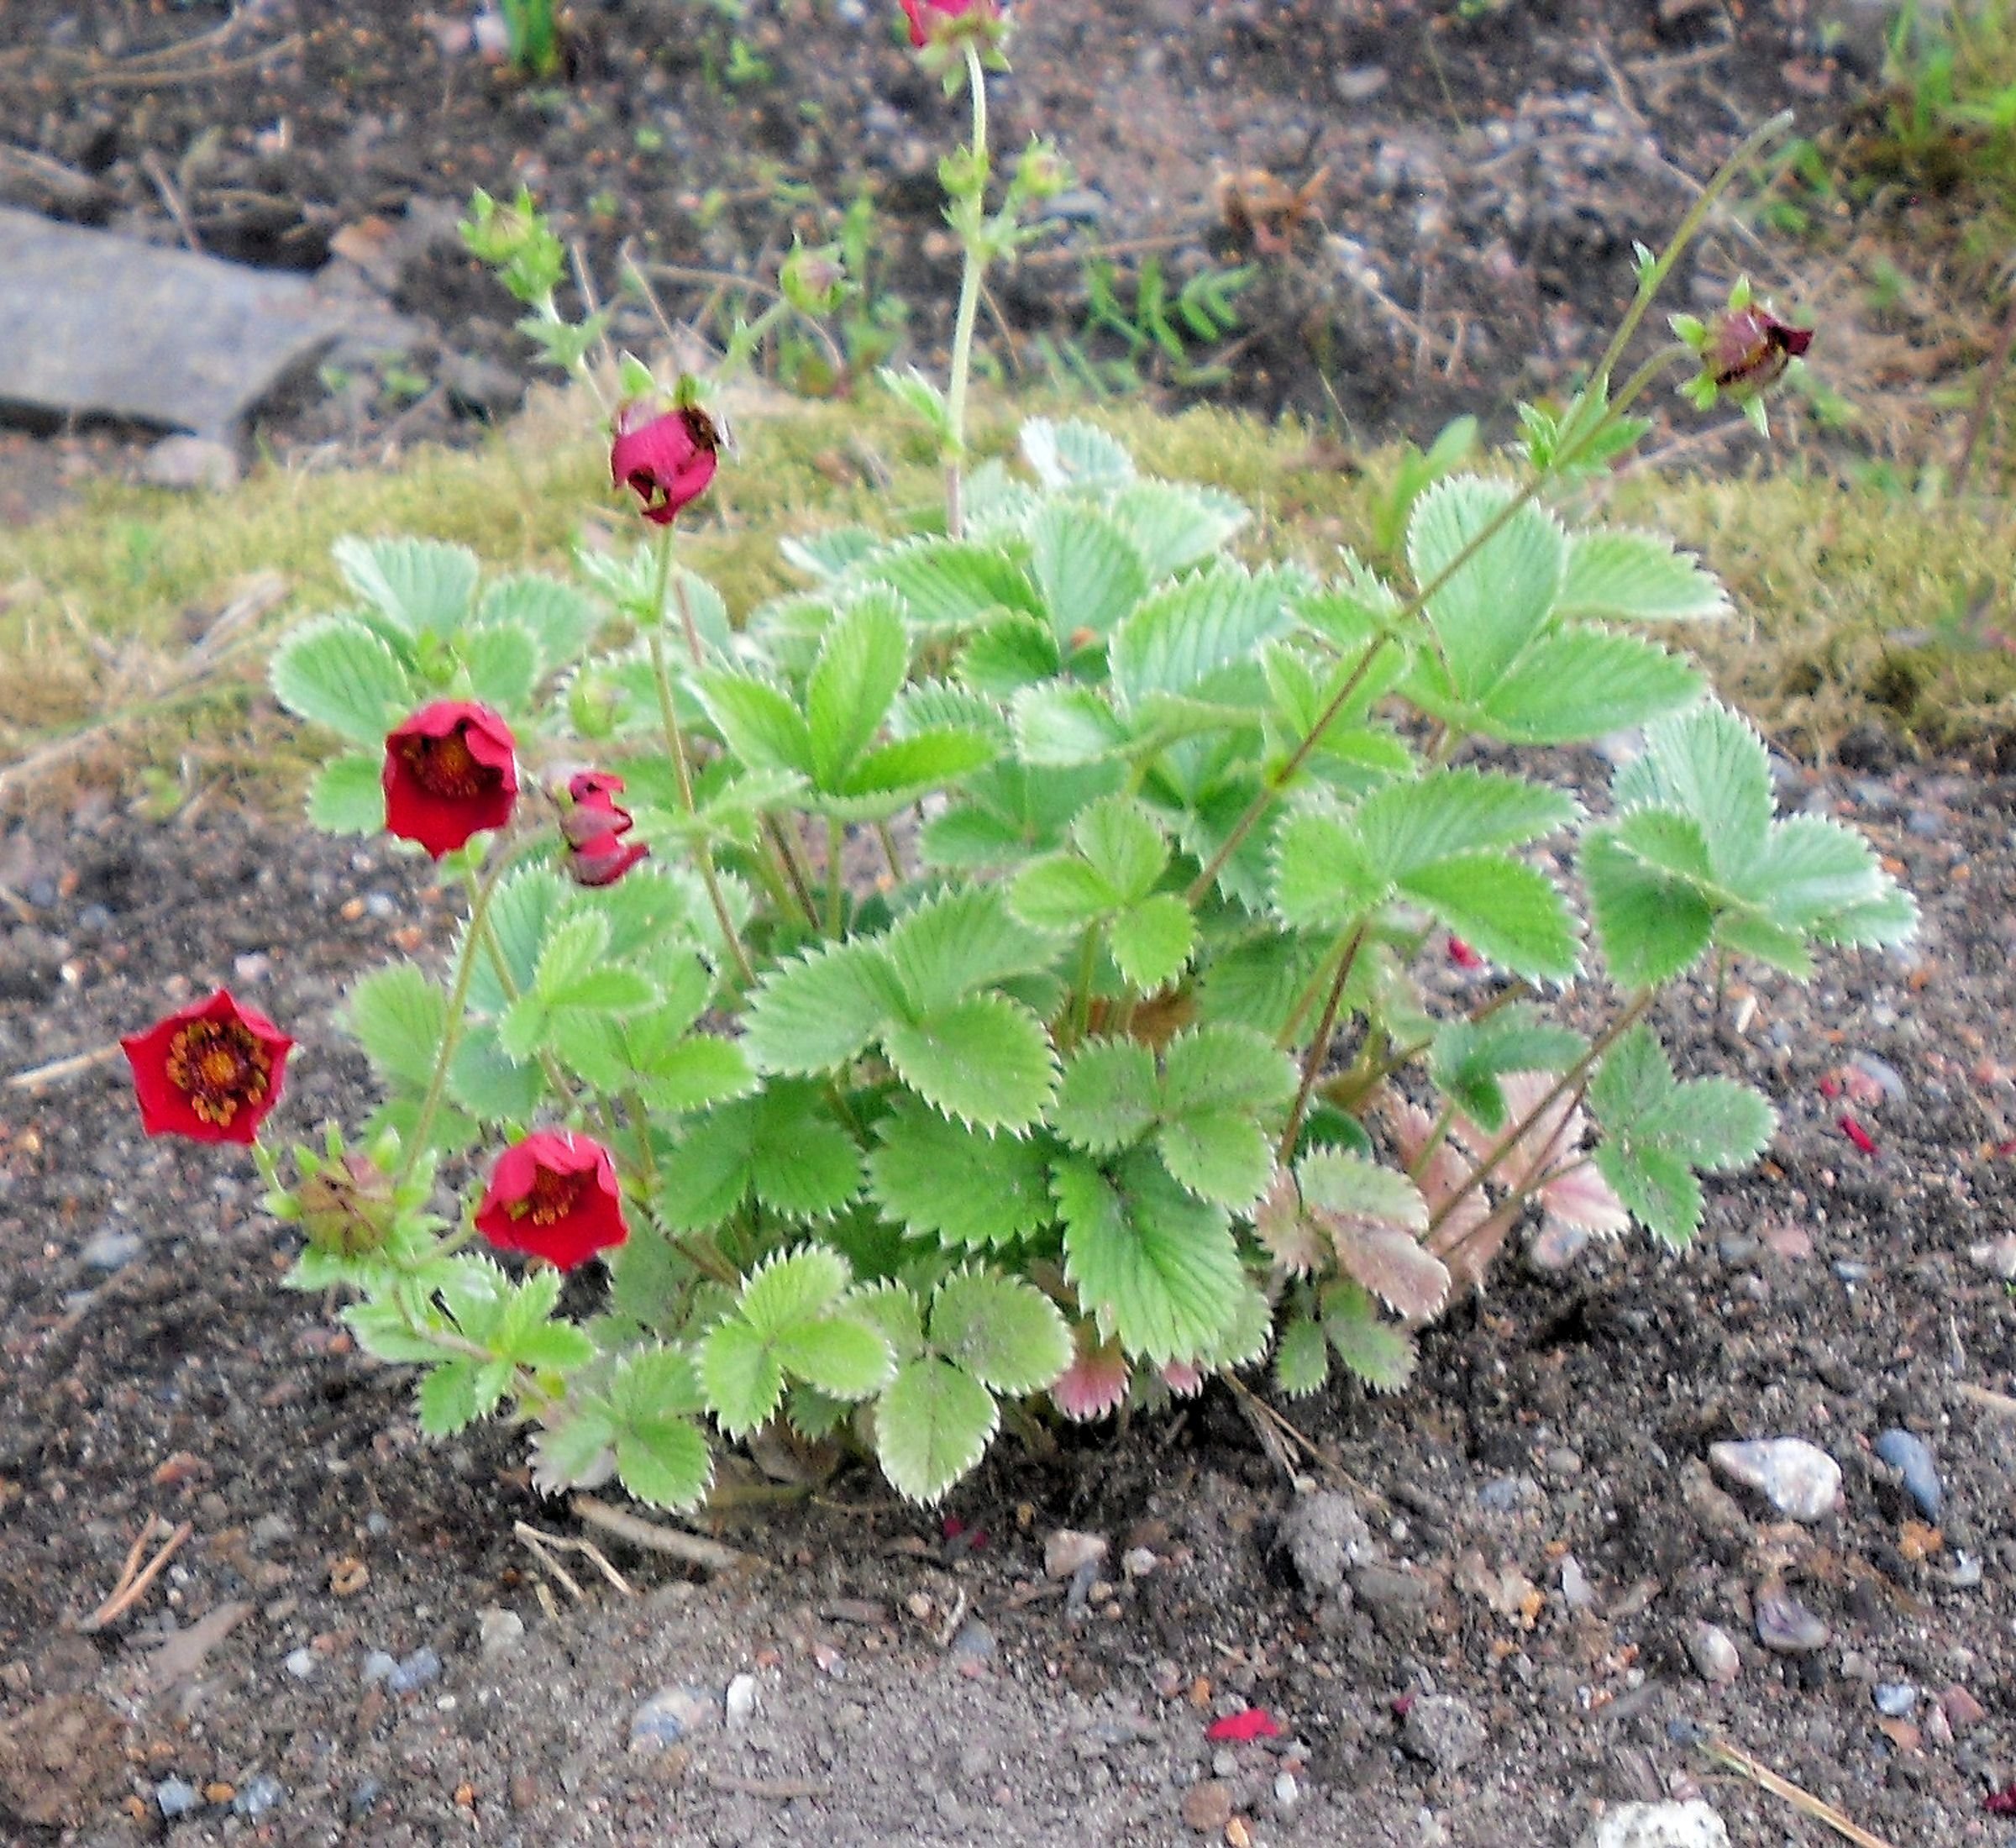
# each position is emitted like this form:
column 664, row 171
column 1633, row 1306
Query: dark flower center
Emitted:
column 221, row 1068
column 446, row 767
column 550, row 1198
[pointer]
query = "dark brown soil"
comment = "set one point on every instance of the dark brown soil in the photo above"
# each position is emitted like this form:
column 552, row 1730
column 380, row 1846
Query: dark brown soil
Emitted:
column 1549, row 1532
column 1466, row 181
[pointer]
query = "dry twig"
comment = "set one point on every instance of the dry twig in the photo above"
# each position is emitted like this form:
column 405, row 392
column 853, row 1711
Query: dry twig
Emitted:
column 57, row 1069
column 538, row 1541
column 135, row 1578
column 692, row 1549
column 1805, row 1801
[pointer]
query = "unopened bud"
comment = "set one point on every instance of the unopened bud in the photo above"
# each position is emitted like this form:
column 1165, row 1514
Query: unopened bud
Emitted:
column 813, row 281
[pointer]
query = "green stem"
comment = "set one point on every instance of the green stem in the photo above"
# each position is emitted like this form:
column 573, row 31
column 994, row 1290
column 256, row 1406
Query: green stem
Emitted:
column 675, row 745
column 836, row 853
column 1088, row 969
column 458, row 1010
column 890, row 853
column 556, row 1079
column 793, row 871
column 970, row 275
column 1575, row 1075
column 1577, row 446
column 1319, row 1045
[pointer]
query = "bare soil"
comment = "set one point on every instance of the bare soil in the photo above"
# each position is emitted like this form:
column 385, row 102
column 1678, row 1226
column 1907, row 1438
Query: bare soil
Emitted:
column 1547, row 1532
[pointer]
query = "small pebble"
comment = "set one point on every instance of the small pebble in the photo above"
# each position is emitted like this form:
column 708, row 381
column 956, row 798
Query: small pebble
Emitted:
column 1576, row 1591
column 974, row 1641
column 1796, row 1477
column 1207, row 1807
column 1882, row 1073
column 1690, row 1825
column 364, row 1795
column 1895, row 1698
column 1443, row 1730
column 1502, row 1493
column 269, row 1529
column 669, row 1715
column 1850, row 1270
column 1713, row 1651
column 1138, row 1562
column 261, row 1794
column 1325, row 1536
column 174, row 1797
column 740, row 1701
column 1911, row 1457
column 112, row 1251
column 379, row 1666
column 1960, row 1708
column 377, row 1525
column 302, row 1664
column 1286, row 1791
column 499, row 1632
column 1998, row 1257
column 1065, row 1551
column 416, row 1671
column 1786, row 1626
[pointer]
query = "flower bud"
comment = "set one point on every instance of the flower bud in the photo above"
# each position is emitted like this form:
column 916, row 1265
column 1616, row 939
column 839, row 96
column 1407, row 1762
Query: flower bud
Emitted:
column 1750, row 349
column 347, row 1206
column 813, row 281
column 1043, row 173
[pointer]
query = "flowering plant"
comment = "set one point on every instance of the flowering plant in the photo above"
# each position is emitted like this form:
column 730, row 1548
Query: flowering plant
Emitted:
column 1121, row 1069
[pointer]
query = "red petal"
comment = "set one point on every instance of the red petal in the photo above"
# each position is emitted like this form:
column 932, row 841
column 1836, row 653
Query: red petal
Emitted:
column 164, row 1109
column 1462, row 955
column 439, row 820
column 593, row 1223
column 1856, row 1134
column 1255, row 1722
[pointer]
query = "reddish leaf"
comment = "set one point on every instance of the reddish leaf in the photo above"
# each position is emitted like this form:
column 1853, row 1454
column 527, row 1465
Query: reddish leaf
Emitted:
column 1255, row 1722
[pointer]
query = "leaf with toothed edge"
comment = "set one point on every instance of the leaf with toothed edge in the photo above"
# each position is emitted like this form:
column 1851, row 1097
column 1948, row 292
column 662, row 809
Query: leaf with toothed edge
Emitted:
column 943, row 1180
column 986, row 1060
column 934, row 1423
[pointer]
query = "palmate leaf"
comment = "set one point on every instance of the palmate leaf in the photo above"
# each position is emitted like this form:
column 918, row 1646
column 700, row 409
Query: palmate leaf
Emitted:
column 986, row 1060
column 1109, row 1095
column 668, row 1463
column 502, row 663
column 1004, row 1332
column 398, row 1016
column 417, row 586
column 1713, row 767
column 524, row 903
column 490, row 1085
column 336, row 672
column 1178, row 639
column 1651, row 925
column 1820, row 878
column 762, row 726
column 1155, row 1265
column 844, row 1357
column 940, row 1180
column 1061, row 892
column 1122, row 841
column 1223, row 1156
column 960, row 941
column 347, row 796
column 1014, row 651
column 744, row 1377
column 1583, row 682
column 861, row 663
column 932, row 1424
column 1061, row 726
column 1637, row 577
column 1151, row 944
column 1087, row 569
column 1499, row 599
column 894, row 775
column 558, row 619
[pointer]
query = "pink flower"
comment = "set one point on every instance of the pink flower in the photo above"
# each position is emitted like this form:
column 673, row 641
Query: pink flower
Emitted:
column 554, row 1196
column 668, row 460
column 594, row 826
column 1750, row 348
column 210, row 1071
column 926, row 15
column 451, row 771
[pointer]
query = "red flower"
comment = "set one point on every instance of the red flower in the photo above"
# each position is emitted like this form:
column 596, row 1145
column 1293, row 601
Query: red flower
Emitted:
column 924, row 14
column 1750, row 349
column 211, row 1071
column 594, row 826
column 1255, row 1722
column 449, row 772
column 669, row 459
column 554, row 1196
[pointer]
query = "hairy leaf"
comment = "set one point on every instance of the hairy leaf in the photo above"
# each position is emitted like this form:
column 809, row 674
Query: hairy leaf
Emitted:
column 1109, row 1095
column 1074, row 453
column 399, row 1016
column 1301, row 1358
column 1584, row 682
column 1509, row 911
column 347, row 796
column 743, row 1379
column 1498, row 600
column 1004, row 1332
column 1062, row 725
column 1151, row 944
column 1380, row 1354
column 932, row 1424
column 1637, row 577
column 986, row 1060
column 1181, row 637
column 417, row 586
column 861, row 663
column 1174, row 524
column 336, row 672
column 822, row 1010
column 1087, row 568
column 940, row 1179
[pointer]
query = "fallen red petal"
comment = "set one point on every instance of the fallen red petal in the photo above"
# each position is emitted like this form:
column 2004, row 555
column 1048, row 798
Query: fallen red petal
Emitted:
column 1462, row 955
column 2001, row 1802
column 1856, row 1134
column 1831, row 1087
column 1255, row 1722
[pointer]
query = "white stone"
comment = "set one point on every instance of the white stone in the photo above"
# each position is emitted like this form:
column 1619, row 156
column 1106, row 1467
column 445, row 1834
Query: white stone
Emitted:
column 1796, row 1477
column 1690, row 1825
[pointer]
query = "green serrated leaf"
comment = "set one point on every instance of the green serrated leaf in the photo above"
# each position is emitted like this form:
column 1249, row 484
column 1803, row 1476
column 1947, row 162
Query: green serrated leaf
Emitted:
column 1381, row 1353
column 986, row 1060
column 822, row 1010
column 1657, row 1187
column 1182, row 636
column 1469, row 1058
column 940, row 1179
column 894, row 775
column 743, row 1379
column 1651, row 926
column 666, row 1464
column 1015, row 651
column 573, row 948
column 383, row 1332
column 336, row 672
column 1219, row 1155
column 844, row 1358
column 1226, row 1067
column 1173, row 524
column 502, row 663
column 762, row 726
column 1497, row 602
column 1061, row 726
column 932, row 1426
column 1636, row 577
column 1124, row 844
column 1108, row 1097
column 1151, row 944
column 1301, row 1358
column 347, row 796
column 1060, row 892
column 862, row 662
column 949, row 585
column 490, row 1086
column 560, row 620
column 1509, row 911
column 1087, row 569
column 525, row 902
column 793, row 1290
column 1157, row 1267
column 1711, row 1123
column 965, row 939
column 892, row 1307
column 1004, row 1332
column 398, row 1016
column 1074, row 453
column 1582, row 683
column 449, row 1398
column 1408, row 825
column 417, row 585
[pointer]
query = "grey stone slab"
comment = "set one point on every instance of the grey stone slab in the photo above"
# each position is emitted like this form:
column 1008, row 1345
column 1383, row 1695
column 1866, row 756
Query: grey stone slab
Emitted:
column 93, row 324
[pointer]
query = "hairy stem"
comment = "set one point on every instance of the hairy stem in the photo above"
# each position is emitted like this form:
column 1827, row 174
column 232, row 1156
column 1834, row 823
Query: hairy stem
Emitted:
column 971, row 276
column 836, row 854
column 1318, row 1046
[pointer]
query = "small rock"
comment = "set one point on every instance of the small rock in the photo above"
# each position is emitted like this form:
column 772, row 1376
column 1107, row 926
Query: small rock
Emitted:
column 1911, row 1457
column 1287, row 1791
column 260, row 1795
column 1359, row 83
column 499, row 1632
column 111, row 1251
column 191, row 462
column 1443, row 1730
column 416, row 1671
column 268, row 1530
column 669, row 1716
column 974, row 1643
column 379, row 1666
column 481, row 387
column 1960, row 1708
column 174, row 1797
column 1387, row 1588
column 1690, row 1825
column 1713, row 1651
column 302, row 1664
column 1576, row 1591
column 1895, row 1698
column 1207, row 1807
column 1066, row 1550
column 1503, row 1494
column 1138, row 1562
column 1325, row 1536
column 1796, row 1477
column 523, row 1791
column 364, row 1795
column 740, row 1703
column 1880, row 1072
column 1786, row 1627
column 1998, row 1257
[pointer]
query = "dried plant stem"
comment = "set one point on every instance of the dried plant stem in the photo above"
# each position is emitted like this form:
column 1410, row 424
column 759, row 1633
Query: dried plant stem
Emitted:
column 691, row 1549
column 1804, row 1801
column 133, row 1578
column 1319, row 1045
